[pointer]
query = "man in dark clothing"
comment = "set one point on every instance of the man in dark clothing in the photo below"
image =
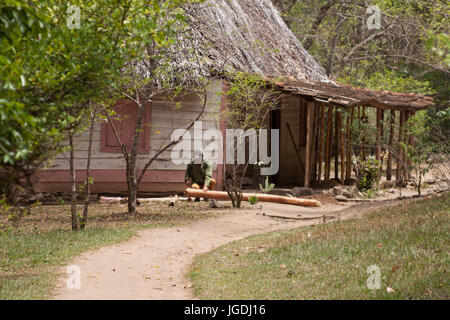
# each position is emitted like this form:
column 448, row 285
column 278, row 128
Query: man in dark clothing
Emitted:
column 199, row 174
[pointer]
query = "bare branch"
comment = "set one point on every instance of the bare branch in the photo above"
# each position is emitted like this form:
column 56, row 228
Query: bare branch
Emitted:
column 152, row 159
column 122, row 147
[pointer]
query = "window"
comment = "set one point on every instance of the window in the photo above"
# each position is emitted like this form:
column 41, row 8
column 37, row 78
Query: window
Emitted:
column 125, row 121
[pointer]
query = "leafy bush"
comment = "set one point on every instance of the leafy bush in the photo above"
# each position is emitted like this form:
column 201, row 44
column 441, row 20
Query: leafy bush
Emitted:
column 253, row 200
column 368, row 172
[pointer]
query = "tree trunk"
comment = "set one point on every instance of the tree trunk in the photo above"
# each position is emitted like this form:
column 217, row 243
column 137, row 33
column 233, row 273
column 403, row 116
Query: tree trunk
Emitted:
column 131, row 172
column 132, row 195
column 88, row 170
column 73, row 187
column 419, row 186
column 320, row 17
column 238, row 199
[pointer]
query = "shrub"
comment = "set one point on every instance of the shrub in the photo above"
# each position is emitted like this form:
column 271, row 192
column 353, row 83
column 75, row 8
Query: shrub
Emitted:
column 367, row 173
column 253, row 200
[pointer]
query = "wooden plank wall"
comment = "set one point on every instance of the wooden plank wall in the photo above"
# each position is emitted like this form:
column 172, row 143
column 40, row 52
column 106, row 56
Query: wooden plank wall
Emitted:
column 290, row 169
column 164, row 119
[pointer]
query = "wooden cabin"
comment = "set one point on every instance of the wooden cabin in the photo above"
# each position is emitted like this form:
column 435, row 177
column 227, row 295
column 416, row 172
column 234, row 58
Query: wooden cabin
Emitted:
column 248, row 36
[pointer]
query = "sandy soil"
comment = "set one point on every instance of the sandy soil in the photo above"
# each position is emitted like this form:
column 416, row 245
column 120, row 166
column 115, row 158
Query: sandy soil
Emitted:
column 153, row 264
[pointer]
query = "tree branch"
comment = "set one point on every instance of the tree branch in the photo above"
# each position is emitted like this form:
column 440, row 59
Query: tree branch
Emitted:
column 150, row 161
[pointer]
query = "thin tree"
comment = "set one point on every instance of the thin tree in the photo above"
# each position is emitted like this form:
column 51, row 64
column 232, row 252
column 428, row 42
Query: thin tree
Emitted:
column 249, row 102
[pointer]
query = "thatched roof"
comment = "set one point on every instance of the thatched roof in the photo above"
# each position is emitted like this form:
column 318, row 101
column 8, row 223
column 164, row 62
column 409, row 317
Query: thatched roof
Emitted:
column 348, row 96
column 249, row 36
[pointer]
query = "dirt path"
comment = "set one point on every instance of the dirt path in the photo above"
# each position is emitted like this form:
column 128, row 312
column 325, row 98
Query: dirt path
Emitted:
column 153, row 264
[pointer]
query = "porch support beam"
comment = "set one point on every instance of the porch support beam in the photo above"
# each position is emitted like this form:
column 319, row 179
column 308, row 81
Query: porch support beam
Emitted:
column 391, row 145
column 321, row 142
column 309, row 142
column 398, row 175
column 328, row 143
column 348, row 161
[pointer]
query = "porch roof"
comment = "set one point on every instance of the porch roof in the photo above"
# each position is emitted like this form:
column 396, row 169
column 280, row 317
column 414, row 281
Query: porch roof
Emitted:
column 339, row 94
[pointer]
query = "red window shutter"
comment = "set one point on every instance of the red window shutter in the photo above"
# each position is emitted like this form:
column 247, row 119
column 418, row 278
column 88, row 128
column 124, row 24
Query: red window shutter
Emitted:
column 125, row 121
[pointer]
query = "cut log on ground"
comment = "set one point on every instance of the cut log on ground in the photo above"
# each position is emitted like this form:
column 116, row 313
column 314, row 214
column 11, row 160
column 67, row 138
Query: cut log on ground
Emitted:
column 115, row 200
column 222, row 195
column 112, row 200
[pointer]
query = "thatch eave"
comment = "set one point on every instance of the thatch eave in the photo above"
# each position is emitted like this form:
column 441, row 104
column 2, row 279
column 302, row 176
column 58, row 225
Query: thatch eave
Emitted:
column 347, row 96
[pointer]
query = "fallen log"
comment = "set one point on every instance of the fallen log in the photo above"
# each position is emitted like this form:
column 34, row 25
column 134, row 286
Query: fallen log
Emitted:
column 112, row 200
column 116, row 200
column 221, row 195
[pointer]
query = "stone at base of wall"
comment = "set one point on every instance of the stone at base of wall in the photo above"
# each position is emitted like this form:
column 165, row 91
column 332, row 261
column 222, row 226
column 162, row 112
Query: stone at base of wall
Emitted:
column 299, row 192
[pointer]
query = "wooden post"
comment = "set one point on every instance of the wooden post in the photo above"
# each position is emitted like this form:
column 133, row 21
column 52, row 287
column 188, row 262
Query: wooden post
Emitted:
column 406, row 141
column 363, row 140
column 328, row 145
column 309, row 133
column 315, row 139
column 342, row 147
column 360, row 131
column 391, row 145
column 337, row 127
column 411, row 141
column 380, row 119
column 348, row 161
column 398, row 175
column 378, row 125
column 382, row 139
column 320, row 138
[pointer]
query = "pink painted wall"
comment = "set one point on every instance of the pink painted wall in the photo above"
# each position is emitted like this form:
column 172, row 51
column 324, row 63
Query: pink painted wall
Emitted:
column 114, row 181
column 109, row 169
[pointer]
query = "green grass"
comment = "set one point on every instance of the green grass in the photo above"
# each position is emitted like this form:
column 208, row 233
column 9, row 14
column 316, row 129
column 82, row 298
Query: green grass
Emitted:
column 29, row 260
column 33, row 250
column 409, row 243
